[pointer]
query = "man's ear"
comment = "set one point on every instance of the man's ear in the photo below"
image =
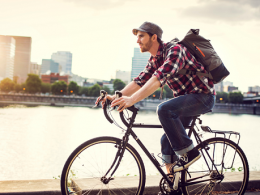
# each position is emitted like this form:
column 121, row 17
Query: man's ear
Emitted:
column 154, row 37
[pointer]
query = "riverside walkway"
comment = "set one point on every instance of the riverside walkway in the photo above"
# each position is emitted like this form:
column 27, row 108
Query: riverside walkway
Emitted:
column 52, row 187
column 80, row 101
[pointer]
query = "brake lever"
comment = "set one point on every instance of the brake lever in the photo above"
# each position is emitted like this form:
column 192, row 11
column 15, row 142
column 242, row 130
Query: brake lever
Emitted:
column 102, row 95
column 118, row 95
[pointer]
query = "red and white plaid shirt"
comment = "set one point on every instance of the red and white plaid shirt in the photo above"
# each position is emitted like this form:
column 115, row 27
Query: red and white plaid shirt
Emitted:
column 167, row 63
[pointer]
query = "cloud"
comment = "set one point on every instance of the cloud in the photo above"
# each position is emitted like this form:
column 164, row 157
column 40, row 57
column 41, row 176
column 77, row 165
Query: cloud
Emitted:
column 252, row 3
column 99, row 4
column 224, row 10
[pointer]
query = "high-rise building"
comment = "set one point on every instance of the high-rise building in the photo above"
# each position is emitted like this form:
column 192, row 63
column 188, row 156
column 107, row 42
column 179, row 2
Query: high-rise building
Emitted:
column 219, row 87
column 22, row 59
column 139, row 61
column 7, row 53
column 35, row 68
column 78, row 79
column 256, row 88
column 124, row 76
column 49, row 65
column 64, row 58
column 227, row 83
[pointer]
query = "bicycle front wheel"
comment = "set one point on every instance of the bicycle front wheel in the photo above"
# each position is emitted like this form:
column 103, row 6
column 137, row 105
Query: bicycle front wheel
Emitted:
column 84, row 169
column 222, row 169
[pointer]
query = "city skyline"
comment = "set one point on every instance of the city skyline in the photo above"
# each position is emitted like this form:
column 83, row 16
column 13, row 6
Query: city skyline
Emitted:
column 99, row 34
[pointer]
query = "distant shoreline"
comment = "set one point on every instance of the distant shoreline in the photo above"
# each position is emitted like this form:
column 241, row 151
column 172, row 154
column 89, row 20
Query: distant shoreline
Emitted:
column 148, row 106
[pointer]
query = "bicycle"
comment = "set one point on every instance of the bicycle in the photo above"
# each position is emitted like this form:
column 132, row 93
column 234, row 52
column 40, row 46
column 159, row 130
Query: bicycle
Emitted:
column 109, row 165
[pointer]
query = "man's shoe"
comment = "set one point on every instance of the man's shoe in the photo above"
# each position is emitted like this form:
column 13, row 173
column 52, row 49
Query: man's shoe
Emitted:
column 186, row 160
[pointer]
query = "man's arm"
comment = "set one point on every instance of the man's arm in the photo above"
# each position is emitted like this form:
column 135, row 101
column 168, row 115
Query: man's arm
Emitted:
column 127, row 91
column 150, row 86
column 130, row 89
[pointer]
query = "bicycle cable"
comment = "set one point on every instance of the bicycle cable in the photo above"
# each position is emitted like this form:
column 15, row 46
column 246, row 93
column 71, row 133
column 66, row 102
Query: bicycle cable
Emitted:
column 111, row 116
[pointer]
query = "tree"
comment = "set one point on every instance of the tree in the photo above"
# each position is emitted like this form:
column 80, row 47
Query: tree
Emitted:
column 73, row 87
column 45, row 87
column 33, row 83
column 84, row 90
column 118, row 84
column 169, row 93
column 59, row 88
column 17, row 87
column 106, row 88
column 157, row 93
column 6, row 85
column 23, row 87
column 222, row 97
column 95, row 90
column 235, row 97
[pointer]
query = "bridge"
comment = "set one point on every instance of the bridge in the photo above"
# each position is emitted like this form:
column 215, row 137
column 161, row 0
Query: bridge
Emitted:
column 46, row 100
column 252, row 100
column 251, row 106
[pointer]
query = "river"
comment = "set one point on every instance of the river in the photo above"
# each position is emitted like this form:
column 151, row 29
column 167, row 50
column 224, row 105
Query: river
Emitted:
column 36, row 141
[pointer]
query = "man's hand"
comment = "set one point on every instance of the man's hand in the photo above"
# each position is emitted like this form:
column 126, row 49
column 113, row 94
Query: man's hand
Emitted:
column 103, row 100
column 122, row 103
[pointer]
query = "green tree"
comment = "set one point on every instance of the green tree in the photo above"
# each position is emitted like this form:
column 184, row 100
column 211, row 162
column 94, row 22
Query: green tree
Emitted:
column 24, row 87
column 106, row 88
column 169, row 93
column 45, row 87
column 18, row 87
column 33, row 83
column 73, row 87
column 157, row 93
column 222, row 97
column 118, row 84
column 6, row 85
column 84, row 90
column 59, row 88
column 235, row 97
column 95, row 90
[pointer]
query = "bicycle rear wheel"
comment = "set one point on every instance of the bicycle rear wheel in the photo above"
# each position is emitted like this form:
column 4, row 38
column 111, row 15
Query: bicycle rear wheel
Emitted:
column 86, row 166
column 231, row 163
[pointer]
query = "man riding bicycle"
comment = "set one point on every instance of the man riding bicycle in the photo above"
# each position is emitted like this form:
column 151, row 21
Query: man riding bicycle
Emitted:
column 192, row 95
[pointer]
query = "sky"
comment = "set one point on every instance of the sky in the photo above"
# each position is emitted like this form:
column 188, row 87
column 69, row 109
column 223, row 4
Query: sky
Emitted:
column 98, row 33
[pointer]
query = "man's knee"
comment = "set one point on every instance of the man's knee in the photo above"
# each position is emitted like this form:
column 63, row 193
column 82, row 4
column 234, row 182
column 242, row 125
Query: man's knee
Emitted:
column 164, row 139
column 164, row 111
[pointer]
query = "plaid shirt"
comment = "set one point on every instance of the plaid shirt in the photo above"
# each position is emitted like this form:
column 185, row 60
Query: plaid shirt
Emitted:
column 165, row 65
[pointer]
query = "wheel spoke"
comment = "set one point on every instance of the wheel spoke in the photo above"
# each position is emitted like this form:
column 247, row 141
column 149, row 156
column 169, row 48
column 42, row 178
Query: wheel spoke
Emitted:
column 90, row 162
column 229, row 172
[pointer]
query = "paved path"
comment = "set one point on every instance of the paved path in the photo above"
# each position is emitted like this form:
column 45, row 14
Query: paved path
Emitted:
column 52, row 187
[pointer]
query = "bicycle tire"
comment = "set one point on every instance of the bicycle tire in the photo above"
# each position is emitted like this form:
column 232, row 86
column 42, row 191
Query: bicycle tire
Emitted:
column 90, row 161
column 234, row 175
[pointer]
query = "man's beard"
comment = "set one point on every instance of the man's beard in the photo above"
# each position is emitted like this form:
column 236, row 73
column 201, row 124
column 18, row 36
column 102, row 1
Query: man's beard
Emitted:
column 146, row 47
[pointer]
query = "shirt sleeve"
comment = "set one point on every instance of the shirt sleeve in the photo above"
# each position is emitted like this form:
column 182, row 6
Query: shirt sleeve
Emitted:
column 145, row 75
column 173, row 62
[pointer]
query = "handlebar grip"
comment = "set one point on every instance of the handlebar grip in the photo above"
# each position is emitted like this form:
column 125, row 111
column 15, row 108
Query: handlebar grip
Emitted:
column 118, row 94
column 103, row 93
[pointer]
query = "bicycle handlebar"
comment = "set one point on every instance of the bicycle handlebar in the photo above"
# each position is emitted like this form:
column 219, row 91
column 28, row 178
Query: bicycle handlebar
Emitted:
column 118, row 94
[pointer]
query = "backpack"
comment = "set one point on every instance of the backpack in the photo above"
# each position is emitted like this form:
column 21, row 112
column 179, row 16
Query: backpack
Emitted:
column 203, row 51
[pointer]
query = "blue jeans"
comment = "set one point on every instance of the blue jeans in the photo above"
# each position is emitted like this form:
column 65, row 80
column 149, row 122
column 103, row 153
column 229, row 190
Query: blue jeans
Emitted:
column 176, row 113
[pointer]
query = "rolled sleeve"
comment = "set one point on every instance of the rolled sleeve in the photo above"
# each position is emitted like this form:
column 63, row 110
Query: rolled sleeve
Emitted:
column 145, row 75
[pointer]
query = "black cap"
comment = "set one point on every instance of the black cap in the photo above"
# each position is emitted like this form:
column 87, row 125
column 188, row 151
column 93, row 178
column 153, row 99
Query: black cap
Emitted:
column 149, row 27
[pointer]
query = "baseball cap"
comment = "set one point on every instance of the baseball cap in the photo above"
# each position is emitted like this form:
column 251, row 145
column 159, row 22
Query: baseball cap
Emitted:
column 149, row 27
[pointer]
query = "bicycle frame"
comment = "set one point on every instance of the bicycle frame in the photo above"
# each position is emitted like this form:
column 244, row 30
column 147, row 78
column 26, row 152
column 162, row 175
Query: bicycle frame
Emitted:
column 130, row 125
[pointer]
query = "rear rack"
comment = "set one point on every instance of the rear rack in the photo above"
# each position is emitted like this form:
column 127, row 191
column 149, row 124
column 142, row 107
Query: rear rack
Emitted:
column 224, row 133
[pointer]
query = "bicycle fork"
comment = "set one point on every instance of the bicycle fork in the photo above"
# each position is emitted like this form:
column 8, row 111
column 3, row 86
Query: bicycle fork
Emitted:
column 119, row 155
